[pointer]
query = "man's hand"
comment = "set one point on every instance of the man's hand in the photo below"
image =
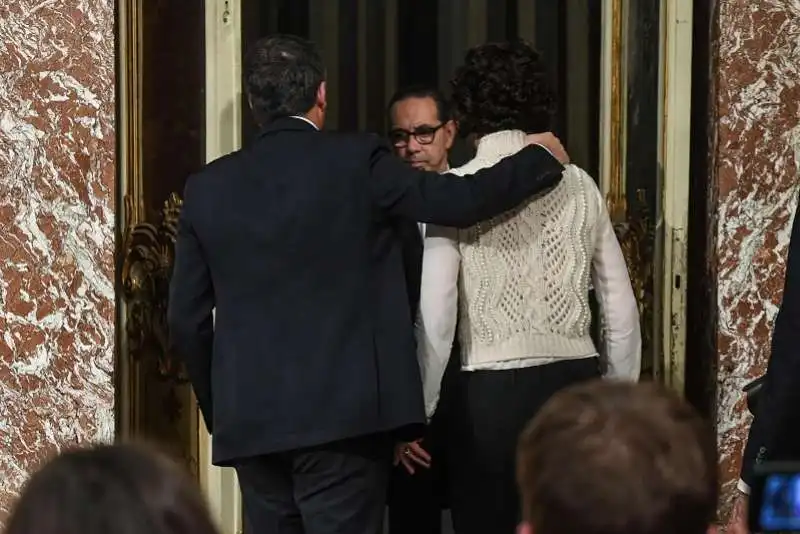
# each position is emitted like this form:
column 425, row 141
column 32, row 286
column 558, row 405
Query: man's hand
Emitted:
column 551, row 143
column 411, row 454
column 737, row 524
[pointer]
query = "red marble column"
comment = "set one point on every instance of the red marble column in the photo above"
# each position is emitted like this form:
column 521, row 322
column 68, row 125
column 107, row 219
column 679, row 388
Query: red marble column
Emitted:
column 57, row 196
column 755, row 174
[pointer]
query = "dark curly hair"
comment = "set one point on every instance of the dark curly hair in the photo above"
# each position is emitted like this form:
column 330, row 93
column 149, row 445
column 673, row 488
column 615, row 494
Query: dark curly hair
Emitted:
column 502, row 86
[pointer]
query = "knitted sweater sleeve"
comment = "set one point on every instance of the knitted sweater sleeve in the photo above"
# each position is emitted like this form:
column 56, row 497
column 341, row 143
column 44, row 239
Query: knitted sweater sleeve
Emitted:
column 623, row 337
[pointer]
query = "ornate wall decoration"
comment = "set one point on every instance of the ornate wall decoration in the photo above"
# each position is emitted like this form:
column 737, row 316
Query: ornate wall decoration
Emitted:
column 149, row 254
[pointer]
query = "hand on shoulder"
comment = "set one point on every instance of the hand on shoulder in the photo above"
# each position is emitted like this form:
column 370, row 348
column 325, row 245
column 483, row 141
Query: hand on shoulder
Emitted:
column 551, row 143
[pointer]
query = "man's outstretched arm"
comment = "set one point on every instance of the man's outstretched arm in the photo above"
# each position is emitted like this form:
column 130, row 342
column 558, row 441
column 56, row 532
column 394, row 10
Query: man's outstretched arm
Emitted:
column 461, row 202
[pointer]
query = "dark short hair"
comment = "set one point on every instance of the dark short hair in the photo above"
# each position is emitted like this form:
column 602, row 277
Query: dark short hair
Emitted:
column 124, row 489
column 502, row 86
column 421, row 91
column 282, row 75
column 618, row 458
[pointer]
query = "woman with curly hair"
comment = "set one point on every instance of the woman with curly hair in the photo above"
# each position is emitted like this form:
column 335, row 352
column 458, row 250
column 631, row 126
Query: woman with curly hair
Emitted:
column 518, row 287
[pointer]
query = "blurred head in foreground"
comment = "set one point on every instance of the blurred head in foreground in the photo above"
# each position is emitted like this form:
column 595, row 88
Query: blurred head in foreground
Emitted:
column 110, row 489
column 617, row 458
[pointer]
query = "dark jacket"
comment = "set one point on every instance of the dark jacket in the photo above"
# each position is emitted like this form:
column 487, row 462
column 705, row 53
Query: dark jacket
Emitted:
column 292, row 239
column 775, row 432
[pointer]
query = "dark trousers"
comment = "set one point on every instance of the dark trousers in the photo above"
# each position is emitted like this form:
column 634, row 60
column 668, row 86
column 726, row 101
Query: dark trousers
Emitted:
column 338, row 488
column 490, row 411
column 416, row 501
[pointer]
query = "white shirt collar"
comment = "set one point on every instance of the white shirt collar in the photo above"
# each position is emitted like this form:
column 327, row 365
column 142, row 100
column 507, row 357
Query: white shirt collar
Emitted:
column 305, row 119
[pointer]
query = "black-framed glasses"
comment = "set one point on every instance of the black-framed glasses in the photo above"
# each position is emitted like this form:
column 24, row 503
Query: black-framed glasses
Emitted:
column 424, row 135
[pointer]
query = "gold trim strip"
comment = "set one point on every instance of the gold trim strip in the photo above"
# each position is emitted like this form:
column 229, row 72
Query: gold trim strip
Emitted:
column 131, row 111
column 130, row 190
column 617, row 205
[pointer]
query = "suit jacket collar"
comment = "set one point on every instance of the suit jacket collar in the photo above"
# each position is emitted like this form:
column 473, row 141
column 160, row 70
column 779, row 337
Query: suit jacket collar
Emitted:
column 287, row 124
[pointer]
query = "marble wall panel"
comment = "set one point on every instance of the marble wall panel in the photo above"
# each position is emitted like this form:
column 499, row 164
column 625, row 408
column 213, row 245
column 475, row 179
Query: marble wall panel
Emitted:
column 57, row 201
column 755, row 173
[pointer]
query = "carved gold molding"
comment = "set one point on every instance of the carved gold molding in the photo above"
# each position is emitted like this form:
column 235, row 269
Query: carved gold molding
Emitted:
column 149, row 254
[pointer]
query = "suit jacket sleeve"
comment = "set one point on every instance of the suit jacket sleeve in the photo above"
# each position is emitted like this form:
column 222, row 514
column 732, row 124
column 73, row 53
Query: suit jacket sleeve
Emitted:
column 190, row 310
column 775, row 432
column 460, row 202
column 411, row 248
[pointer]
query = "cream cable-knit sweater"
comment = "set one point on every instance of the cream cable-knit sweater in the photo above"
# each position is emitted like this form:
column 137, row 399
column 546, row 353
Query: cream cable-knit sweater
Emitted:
column 525, row 274
column 523, row 282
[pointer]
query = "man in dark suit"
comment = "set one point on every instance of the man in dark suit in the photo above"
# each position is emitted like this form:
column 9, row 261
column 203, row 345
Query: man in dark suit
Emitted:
column 775, row 431
column 309, row 375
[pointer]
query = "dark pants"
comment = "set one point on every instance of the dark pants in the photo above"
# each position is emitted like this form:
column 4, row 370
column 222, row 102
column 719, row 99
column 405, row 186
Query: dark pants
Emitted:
column 490, row 411
column 338, row 488
column 416, row 501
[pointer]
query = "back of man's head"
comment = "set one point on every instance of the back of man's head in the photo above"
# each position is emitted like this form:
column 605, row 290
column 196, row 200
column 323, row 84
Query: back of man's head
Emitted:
column 283, row 74
column 617, row 458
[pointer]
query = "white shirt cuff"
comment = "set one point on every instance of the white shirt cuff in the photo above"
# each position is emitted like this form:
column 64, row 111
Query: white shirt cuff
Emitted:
column 743, row 487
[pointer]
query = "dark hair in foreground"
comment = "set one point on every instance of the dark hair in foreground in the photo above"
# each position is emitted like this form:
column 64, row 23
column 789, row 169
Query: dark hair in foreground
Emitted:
column 421, row 91
column 282, row 75
column 502, row 86
column 110, row 489
column 618, row 458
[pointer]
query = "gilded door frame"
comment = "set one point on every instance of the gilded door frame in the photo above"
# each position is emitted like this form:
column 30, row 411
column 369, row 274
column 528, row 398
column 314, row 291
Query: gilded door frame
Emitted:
column 129, row 188
column 668, row 308
column 223, row 104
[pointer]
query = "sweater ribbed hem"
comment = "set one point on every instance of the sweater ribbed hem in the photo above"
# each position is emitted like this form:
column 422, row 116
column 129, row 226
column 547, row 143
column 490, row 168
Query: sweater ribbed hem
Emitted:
column 527, row 346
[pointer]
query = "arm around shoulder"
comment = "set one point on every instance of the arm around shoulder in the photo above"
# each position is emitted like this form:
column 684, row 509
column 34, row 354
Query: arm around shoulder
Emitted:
column 446, row 200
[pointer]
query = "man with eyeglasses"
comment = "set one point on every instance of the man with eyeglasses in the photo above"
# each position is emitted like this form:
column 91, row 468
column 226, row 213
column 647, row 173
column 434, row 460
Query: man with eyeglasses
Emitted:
column 421, row 132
